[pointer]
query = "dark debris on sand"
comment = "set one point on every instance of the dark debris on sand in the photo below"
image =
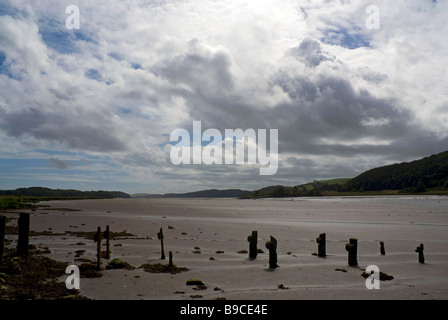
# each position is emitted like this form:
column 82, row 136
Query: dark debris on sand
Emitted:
column 33, row 277
column 162, row 268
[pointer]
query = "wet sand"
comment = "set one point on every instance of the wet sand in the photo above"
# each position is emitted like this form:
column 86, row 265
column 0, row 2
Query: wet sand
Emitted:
column 214, row 225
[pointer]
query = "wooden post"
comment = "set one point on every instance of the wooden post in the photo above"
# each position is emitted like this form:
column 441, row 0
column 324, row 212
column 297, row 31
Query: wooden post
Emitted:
column 24, row 232
column 253, row 239
column 272, row 246
column 160, row 236
column 321, row 245
column 170, row 263
column 97, row 238
column 107, row 236
column 421, row 257
column 382, row 250
column 2, row 237
column 352, row 248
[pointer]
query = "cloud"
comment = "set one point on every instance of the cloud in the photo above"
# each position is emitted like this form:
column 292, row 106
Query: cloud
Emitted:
column 58, row 164
column 344, row 98
column 310, row 52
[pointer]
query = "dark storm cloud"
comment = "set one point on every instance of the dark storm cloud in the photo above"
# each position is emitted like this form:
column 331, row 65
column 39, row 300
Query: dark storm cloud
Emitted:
column 73, row 130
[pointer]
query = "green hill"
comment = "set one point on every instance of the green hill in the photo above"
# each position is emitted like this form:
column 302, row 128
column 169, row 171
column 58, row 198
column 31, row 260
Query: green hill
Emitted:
column 409, row 177
column 310, row 189
column 429, row 175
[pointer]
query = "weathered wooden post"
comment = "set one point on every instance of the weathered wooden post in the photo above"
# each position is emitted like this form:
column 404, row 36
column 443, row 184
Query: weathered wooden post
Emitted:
column 272, row 246
column 170, row 263
column 421, row 257
column 253, row 239
column 352, row 248
column 382, row 250
column 97, row 238
column 321, row 245
column 107, row 236
column 24, row 232
column 2, row 237
column 160, row 236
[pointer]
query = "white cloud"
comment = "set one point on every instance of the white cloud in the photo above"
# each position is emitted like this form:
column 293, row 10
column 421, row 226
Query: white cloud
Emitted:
column 137, row 70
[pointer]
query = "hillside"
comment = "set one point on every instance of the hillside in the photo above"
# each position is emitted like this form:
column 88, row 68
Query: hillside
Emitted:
column 429, row 175
column 212, row 193
column 310, row 189
column 411, row 177
column 62, row 193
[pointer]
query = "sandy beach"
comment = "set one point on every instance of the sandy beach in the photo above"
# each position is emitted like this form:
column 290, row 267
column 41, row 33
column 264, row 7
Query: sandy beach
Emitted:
column 207, row 235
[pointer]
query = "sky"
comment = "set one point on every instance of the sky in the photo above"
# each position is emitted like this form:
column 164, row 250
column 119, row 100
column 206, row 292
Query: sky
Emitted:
column 93, row 108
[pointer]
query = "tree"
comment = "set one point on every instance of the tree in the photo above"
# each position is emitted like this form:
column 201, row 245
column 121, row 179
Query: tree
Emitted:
column 420, row 186
column 279, row 192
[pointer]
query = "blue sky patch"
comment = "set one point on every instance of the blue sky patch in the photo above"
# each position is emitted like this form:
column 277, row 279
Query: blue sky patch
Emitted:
column 93, row 74
column 350, row 39
column 57, row 37
column 2, row 58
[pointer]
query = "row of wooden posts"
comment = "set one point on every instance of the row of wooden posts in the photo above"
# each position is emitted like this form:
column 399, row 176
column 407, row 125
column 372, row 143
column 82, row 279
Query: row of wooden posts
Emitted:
column 351, row 247
column 24, row 226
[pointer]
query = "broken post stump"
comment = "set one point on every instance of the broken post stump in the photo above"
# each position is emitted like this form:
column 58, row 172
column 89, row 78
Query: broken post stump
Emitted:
column 382, row 250
column 352, row 249
column 97, row 238
column 2, row 237
column 321, row 245
column 160, row 237
column 24, row 232
column 272, row 246
column 107, row 237
column 253, row 239
column 170, row 263
column 421, row 257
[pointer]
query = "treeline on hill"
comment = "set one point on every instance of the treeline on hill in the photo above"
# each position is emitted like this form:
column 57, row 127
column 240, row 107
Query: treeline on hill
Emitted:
column 408, row 177
column 427, row 174
column 312, row 189
column 63, row 193
column 25, row 197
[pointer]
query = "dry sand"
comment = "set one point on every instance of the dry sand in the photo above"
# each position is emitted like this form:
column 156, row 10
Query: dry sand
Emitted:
column 223, row 225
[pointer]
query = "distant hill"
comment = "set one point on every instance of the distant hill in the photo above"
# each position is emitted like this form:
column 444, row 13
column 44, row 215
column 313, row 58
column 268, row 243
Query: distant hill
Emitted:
column 212, row 193
column 310, row 189
column 429, row 174
column 415, row 176
column 63, row 193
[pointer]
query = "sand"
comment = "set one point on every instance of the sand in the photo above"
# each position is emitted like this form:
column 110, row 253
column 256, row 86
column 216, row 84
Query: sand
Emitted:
column 196, row 229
